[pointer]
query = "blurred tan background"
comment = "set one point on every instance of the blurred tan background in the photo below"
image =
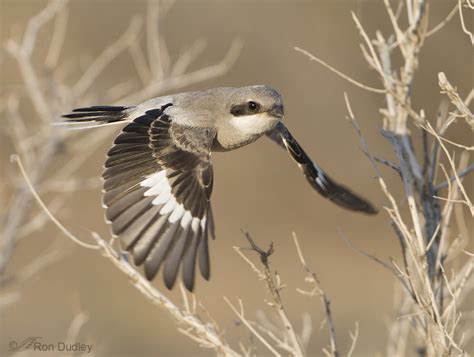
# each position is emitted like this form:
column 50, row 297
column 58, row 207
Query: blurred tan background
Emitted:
column 257, row 188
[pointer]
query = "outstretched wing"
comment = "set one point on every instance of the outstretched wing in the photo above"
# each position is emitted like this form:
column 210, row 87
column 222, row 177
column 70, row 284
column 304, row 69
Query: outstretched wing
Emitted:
column 317, row 178
column 157, row 188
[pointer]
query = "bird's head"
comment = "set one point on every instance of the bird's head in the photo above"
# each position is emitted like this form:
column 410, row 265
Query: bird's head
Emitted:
column 251, row 112
column 256, row 102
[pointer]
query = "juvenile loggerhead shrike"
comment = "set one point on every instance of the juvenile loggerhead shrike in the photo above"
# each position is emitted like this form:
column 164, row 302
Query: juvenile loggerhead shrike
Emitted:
column 158, row 174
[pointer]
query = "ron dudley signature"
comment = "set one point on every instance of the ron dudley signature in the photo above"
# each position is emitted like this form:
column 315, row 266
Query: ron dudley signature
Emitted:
column 35, row 343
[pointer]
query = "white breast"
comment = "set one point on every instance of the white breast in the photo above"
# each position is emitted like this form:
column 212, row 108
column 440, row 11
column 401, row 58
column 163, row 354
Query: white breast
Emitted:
column 251, row 125
column 238, row 131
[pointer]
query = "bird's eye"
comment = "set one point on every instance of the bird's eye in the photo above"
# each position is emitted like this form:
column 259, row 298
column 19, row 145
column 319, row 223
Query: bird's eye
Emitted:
column 253, row 106
column 246, row 108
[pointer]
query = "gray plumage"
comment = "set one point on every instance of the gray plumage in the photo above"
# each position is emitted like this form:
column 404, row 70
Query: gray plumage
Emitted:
column 158, row 175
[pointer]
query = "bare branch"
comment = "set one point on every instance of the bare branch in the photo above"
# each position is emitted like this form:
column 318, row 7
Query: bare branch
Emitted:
column 241, row 316
column 16, row 159
column 339, row 73
column 460, row 174
column 37, row 22
column 186, row 79
column 451, row 92
column 312, row 277
column 444, row 22
column 274, row 289
column 463, row 25
column 57, row 41
column 107, row 56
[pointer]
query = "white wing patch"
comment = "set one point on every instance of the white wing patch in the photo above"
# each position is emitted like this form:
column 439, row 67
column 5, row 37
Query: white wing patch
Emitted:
column 177, row 214
column 321, row 179
column 157, row 182
column 320, row 183
column 160, row 187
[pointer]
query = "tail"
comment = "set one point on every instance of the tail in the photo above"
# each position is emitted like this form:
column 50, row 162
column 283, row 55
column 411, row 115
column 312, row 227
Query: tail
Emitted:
column 92, row 117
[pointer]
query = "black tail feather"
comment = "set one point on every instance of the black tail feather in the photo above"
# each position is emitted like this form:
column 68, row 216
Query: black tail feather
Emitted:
column 101, row 108
column 100, row 114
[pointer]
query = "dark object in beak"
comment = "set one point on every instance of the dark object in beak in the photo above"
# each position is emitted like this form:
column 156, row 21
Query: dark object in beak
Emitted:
column 317, row 178
column 277, row 111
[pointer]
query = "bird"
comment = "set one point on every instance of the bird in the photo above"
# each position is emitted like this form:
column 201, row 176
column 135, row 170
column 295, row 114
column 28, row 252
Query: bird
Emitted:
column 158, row 174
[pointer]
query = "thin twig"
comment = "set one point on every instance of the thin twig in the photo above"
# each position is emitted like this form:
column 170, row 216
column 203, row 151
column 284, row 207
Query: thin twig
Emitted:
column 453, row 95
column 324, row 299
column 274, row 289
column 463, row 25
column 16, row 159
column 460, row 174
column 107, row 56
column 339, row 73
column 186, row 79
column 244, row 320
column 444, row 22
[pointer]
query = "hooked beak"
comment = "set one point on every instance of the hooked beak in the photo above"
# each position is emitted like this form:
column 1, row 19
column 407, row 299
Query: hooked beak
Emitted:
column 277, row 111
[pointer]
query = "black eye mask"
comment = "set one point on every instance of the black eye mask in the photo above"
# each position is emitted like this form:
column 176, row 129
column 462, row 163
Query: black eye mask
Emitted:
column 248, row 108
